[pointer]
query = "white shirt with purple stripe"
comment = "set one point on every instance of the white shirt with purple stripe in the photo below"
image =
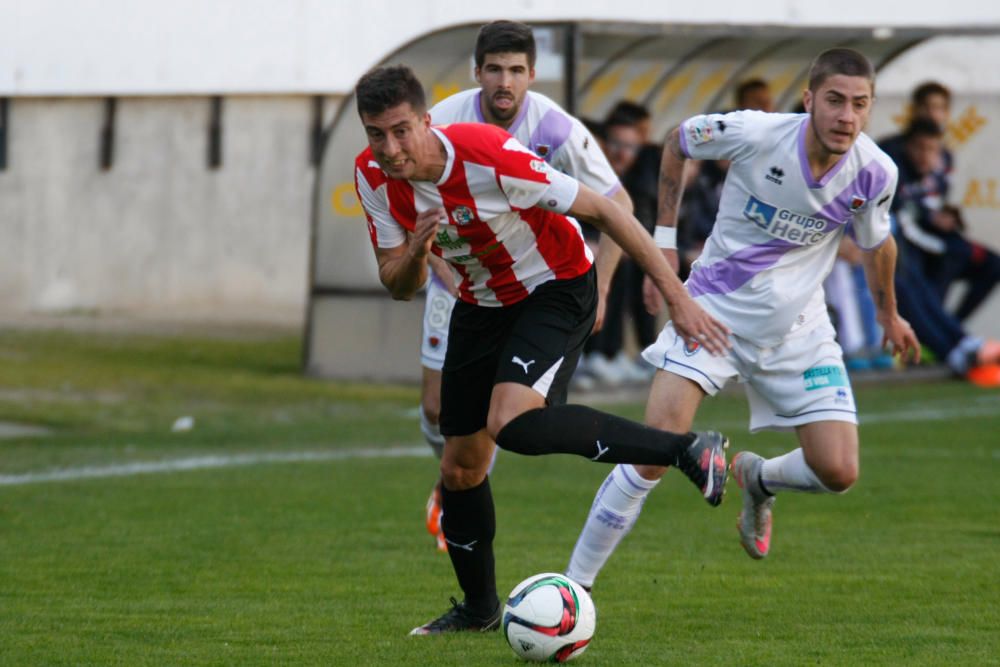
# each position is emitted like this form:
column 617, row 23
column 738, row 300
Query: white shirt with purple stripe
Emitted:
column 778, row 229
column 545, row 128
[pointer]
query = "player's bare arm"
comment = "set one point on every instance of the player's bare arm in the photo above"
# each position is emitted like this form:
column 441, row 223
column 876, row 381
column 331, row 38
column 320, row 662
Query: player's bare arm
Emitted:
column 403, row 269
column 690, row 320
column 608, row 255
column 670, row 190
column 880, row 267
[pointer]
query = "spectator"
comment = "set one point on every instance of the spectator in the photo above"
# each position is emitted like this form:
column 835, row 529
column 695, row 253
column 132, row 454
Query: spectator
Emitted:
column 754, row 94
column 931, row 101
column 934, row 229
column 605, row 358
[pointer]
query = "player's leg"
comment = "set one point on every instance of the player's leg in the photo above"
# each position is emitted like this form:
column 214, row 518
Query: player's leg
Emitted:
column 433, row 348
column 673, row 402
column 468, row 518
column 802, row 385
column 527, row 410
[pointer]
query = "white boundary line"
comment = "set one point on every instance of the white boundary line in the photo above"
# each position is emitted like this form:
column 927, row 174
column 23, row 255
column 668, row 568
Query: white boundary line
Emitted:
column 205, row 462
column 984, row 407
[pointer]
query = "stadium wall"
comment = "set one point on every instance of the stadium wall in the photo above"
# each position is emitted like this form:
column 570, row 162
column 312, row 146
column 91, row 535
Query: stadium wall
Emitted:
column 159, row 232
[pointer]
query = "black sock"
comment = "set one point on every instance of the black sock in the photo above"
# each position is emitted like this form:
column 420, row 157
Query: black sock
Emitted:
column 598, row 436
column 469, row 523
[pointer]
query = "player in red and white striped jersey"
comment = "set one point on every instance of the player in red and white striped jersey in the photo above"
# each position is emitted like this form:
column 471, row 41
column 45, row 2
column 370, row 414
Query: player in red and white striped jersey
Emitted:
column 505, row 56
column 473, row 195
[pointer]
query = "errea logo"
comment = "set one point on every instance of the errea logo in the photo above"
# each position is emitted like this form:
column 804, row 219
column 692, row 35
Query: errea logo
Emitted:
column 785, row 224
column 775, row 175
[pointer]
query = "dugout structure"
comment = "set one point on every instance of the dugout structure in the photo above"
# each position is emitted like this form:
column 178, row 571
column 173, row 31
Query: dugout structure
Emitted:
column 354, row 330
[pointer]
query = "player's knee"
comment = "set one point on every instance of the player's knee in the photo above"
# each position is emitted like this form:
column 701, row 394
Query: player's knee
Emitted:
column 458, row 478
column 498, row 418
column 432, row 412
column 840, row 478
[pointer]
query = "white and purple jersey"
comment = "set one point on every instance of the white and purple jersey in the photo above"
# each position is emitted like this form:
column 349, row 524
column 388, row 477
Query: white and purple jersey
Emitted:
column 545, row 128
column 778, row 229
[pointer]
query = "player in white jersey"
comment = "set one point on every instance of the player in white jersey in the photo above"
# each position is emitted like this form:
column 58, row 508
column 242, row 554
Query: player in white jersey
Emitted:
column 795, row 183
column 505, row 61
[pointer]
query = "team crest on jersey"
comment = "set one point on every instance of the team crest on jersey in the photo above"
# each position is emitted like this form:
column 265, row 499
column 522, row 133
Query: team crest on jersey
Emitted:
column 539, row 166
column 857, row 201
column 543, row 150
column 700, row 131
column 462, row 215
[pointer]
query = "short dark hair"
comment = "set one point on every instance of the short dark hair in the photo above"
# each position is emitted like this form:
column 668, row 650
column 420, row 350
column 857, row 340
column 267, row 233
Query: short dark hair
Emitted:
column 505, row 37
column 386, row 87
column 922, row 127
column 748, row 87
column 627, row 112
column 926, row 89
column 840, row 61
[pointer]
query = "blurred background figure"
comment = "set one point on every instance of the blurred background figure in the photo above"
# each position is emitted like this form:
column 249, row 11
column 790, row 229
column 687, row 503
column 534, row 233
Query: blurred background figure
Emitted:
column 935, row 228
column 754, row 94
column 625, row 134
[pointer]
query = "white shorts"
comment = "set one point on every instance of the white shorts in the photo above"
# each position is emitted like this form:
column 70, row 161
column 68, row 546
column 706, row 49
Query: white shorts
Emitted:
column 799, row 381
column 437, row 316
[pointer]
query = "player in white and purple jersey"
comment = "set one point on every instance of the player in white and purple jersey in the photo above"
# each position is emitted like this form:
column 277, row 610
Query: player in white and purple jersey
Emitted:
column 796, row 182
column 505, row 62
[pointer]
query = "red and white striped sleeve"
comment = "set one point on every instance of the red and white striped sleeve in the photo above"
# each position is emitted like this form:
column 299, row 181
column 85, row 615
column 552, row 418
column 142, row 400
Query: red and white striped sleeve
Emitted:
column 370, row 183
column 527, row 180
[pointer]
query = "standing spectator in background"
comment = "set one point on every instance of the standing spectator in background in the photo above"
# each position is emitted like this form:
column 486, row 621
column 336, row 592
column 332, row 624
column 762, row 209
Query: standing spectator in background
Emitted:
column 636, row 162
column 931, row 101
column 754, row 94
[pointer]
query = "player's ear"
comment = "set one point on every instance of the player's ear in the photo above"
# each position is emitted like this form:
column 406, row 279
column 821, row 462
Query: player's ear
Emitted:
column 531, row 75
column 478, row 70
column 807, row 100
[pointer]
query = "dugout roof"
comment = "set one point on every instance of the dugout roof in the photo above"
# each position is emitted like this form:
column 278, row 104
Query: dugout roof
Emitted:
column 675, row 70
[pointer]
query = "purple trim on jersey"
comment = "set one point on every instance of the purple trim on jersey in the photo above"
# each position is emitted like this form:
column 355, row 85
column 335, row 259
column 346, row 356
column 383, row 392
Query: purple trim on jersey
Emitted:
column 731, row 273
column 552, row 130
column 868, row 184
column 521, row 115
column 614, row 190
column 804, row 161
column 682, row 131
column 478, row 99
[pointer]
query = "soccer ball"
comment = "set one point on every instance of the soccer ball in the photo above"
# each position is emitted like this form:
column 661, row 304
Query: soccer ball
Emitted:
column 549, row 618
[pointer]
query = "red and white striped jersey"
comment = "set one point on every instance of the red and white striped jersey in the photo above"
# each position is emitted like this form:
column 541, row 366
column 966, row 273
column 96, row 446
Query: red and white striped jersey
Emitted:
column 505, row 233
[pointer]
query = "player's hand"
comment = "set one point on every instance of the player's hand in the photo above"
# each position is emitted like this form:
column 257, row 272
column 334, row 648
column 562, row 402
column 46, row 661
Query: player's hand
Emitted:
column 425, row 231
column 899, row 334
column 651, row 297
column 696, row 326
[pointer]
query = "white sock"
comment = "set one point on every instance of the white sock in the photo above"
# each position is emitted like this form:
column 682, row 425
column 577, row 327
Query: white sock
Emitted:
column 790, row 472
column 432, row 434
column 612, row 515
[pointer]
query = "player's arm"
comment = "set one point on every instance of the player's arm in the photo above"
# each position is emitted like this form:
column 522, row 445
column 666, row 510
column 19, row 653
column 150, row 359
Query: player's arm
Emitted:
column 581, row 157
column 690, row 320
column 669, row 192
column 880, row 267
column 609, row 254
column 403, row 269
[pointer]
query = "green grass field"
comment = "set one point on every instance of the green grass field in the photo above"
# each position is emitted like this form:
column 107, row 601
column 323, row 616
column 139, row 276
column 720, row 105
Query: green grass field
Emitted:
column 326, row 562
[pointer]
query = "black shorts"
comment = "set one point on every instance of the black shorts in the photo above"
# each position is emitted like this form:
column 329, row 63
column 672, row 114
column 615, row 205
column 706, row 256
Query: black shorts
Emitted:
column 536, row 342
